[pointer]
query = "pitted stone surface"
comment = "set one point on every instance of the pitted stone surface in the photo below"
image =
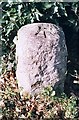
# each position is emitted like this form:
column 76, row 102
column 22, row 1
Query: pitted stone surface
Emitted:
column 41, row 57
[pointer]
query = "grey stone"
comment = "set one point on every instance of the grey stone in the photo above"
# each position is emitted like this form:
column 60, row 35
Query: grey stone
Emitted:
column 41, row 57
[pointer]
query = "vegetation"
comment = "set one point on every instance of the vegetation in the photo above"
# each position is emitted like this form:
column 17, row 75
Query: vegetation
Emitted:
column 45, row 105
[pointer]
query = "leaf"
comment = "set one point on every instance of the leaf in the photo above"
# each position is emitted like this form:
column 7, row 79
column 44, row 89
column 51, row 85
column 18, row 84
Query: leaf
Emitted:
column 47, row 5
column 53, row 93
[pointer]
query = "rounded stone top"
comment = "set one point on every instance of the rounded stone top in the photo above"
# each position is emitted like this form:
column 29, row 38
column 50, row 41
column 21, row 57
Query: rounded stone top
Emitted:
column 38, row 24
column 39, row 29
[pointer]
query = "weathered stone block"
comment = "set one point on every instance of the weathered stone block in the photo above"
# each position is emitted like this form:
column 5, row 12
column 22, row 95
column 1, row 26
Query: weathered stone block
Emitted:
column 41, row 57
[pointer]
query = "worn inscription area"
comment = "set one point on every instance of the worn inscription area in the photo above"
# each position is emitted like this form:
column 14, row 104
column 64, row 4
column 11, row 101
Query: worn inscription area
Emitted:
column 41, row 57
